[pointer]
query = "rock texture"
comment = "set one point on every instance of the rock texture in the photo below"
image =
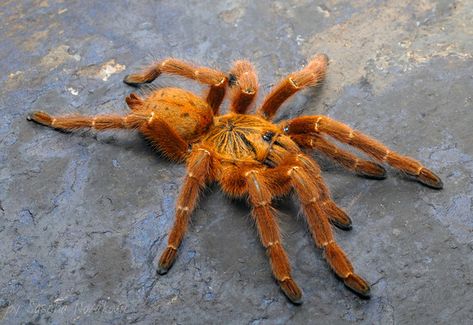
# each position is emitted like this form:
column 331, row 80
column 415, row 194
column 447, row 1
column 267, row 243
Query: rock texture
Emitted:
column 84, row 216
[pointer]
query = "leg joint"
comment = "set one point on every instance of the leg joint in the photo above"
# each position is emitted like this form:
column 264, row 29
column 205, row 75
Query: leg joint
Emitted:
column 181, row 208
column 386, row 155
column 150, row 119
column 292, row 169
column 164, row 63
column 272, row 243
column 325, row 244
column 192, row 176
column 221, row 82
column 205, row 151
column 174, row 248
column 316, row 124
column 293, row 83
column 251, row 172
column 261, row 204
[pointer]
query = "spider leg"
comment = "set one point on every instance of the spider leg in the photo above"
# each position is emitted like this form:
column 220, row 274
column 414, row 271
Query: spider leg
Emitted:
column 312, row 198
column 374, row 148
column 336, row 215
column 99, row 122
column 280, row 175
column 217, row 80
column 198, row 169
column 269, row 233
column 313, row 73
column 165, row 139
column 244, row 86
column 155, row 129
column 345, row 158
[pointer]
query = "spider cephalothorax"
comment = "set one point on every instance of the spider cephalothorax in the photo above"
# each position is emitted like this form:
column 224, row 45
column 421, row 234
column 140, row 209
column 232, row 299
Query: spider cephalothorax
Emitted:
column 248, row 155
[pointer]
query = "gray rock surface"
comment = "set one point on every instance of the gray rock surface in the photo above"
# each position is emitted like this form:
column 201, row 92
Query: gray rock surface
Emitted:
column 84, row 216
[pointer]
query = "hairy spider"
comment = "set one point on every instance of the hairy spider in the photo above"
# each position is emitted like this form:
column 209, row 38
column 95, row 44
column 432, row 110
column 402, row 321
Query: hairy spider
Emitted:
column 249, row 156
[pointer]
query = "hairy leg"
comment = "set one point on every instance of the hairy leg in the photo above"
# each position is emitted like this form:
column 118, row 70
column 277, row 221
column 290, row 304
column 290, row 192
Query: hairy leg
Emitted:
column 99, row 122
column 280, row 182
column 243, row 83
column 313, row 73
column 217, row 80
column 155, row 129
column 269, row 233
column 312, row 199
column 166, row 139
column 374, row 148
column 360, row 166
column 198, row 170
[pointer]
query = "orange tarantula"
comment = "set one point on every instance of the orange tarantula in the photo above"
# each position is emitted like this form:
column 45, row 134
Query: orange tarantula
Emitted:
column 248, row 155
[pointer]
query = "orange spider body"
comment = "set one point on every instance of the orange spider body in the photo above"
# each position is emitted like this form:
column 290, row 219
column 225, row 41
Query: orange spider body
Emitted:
column 248, row 155
column 189, row 115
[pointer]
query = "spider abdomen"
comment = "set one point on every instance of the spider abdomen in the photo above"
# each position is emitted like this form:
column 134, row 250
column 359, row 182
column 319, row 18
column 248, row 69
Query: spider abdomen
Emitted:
column 189, row 115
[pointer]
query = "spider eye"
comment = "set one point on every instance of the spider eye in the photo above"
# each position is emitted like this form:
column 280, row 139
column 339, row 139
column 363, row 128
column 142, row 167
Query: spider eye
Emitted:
column 268, row 136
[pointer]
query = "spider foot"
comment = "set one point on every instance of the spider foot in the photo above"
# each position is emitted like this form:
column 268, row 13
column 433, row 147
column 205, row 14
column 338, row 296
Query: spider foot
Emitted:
column 166, row 260
column 135, row 80
column 337, row 216
column 40, row 117
column 370, row 169
column 428, row 178
column 358, row 285
column 291, row 290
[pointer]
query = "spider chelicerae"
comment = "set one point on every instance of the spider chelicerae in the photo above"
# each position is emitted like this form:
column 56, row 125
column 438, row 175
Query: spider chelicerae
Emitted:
column 250, row 156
